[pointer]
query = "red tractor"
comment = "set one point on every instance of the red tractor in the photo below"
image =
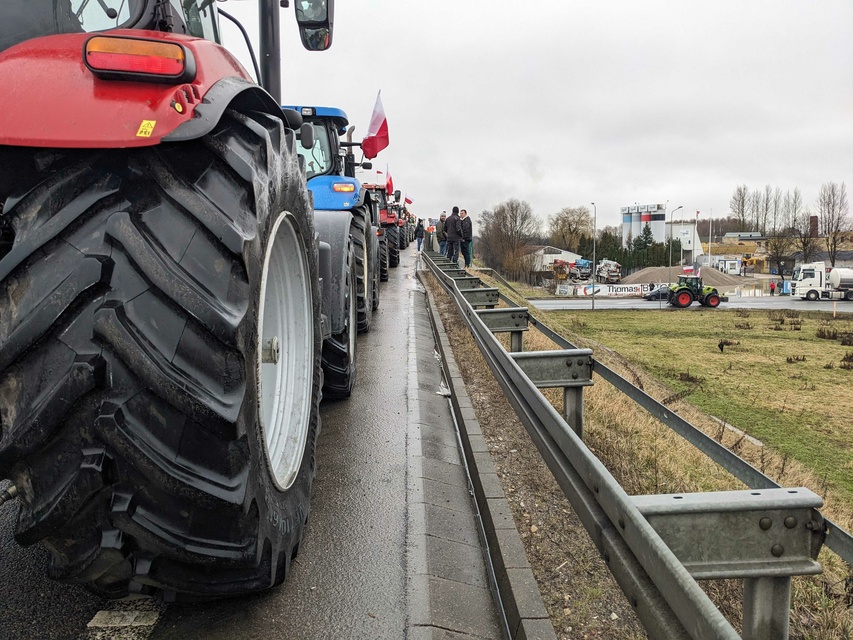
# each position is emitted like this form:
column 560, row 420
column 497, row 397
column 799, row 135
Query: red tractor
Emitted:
column 161, row 319
column 389, row 219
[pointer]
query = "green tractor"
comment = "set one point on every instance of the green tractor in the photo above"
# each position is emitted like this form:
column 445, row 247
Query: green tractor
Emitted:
column 690, row 288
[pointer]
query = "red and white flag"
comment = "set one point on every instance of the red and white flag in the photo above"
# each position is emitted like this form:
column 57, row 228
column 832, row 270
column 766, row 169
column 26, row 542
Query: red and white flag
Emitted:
column 389, row 182
column 377, row 132
column 408, row 200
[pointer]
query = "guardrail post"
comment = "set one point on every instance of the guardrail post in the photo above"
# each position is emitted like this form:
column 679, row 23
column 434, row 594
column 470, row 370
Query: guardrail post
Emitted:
column 516, row 341
column 766, row 608
column 570, row 369
column 573, row 408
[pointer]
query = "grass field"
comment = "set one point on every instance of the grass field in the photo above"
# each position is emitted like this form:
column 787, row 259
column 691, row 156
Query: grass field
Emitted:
column 775, row 378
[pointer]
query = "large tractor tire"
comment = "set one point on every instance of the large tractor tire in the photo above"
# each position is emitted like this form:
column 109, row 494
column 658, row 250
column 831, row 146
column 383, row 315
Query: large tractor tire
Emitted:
column 393, row 236
column 681, row 299
column 363, row 267
column 339, row 350
column 160, row 361
column 712, row 300
column 383, row 261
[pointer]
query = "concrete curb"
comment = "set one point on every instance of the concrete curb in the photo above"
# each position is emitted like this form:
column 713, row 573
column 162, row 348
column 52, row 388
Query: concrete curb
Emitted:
column 517, row 588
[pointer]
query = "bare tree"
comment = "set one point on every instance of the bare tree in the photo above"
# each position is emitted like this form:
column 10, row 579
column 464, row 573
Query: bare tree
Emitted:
column 834, row 215
column 765, row 210
column 567, row 227
column 755, row 206
column 738, row 205
column 504, row 231
column 779, row 235
column 804, row 237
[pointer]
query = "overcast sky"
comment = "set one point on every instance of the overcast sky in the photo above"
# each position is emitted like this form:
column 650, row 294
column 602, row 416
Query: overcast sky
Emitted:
column 562, row 103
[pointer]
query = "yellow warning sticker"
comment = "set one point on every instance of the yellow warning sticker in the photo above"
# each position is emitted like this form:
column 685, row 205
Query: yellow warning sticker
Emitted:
column 146, row 128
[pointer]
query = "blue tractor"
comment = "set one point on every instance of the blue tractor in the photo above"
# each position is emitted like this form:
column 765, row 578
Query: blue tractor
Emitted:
column 346, row 218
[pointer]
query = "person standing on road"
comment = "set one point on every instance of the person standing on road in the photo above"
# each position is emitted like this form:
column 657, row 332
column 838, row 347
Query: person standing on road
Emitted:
column 441, row 235
column 453, row 229
column 419, row 233
column 772, row 287
column 467, row 237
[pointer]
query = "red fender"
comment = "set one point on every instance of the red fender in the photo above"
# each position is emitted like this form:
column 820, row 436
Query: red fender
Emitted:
column 51, row 99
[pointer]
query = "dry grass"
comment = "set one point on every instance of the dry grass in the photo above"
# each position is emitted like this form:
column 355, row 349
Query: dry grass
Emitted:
column 646, row 457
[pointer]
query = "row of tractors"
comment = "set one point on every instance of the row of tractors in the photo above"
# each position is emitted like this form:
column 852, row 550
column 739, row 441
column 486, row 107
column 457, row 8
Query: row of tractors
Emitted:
column 365, row 228
column 184, row 267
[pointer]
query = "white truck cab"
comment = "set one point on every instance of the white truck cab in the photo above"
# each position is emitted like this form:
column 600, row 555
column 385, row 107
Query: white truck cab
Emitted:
column 813, row 281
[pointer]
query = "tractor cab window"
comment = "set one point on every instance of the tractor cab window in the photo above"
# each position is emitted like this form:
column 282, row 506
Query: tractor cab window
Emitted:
column 100, row 16
column 200, row 17
column 22, row 20
column 318, row 159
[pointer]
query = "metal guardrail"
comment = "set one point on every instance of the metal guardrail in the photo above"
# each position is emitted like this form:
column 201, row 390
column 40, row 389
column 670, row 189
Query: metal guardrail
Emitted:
column 775, row 534
column 838, row 539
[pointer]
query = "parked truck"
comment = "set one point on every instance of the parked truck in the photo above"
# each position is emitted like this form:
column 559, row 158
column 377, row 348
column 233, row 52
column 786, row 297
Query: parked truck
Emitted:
column 161, row 320
column 608, row 272
column 814, row 280
column 580, row 270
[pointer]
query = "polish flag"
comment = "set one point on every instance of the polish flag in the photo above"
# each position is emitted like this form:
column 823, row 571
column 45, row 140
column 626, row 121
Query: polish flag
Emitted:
column 408, row 200
column 377, row 132
column 389, row 182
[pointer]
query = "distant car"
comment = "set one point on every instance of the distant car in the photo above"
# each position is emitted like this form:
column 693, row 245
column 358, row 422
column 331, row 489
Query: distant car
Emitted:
column 661, row 292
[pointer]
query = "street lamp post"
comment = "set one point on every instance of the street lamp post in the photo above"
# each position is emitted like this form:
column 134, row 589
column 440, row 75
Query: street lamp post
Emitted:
column 594, row 218
column 672, row 240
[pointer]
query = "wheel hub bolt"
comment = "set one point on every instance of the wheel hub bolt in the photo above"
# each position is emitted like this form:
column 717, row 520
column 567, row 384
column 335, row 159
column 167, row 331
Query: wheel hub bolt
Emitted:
column 270, row 351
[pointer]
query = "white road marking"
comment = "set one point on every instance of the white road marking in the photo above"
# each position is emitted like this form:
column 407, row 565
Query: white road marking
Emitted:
column 124, row 619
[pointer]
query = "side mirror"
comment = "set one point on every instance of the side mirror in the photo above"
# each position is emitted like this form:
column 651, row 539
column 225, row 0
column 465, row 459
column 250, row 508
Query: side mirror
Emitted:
column 315, row 19
column 366, row 165
column 397, row 195
column 306, row 135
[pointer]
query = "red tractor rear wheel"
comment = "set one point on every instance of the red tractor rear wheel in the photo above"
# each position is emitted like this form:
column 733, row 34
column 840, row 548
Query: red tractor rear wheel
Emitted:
column 158, row 420
column 684, row 299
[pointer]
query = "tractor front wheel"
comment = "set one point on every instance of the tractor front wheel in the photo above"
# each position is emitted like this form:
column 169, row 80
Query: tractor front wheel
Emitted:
column 712, row 300
column 383, row 261
column 160, row 361
column 364, row 267
column 339, row 351
column 393, row 236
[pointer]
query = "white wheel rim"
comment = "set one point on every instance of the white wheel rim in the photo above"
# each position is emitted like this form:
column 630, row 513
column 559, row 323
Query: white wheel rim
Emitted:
column 285, row 382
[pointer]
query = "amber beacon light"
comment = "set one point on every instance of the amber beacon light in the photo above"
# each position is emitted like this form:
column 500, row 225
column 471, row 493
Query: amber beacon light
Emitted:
column 136, row 59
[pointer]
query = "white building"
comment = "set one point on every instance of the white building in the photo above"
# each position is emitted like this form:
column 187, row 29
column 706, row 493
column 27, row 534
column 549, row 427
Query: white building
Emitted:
column 691, row 245
column 635, row 219
column 545, row 256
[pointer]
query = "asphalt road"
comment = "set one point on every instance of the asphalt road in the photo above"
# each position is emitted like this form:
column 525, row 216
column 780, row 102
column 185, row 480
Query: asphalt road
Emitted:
column 760, row 303
column 349, row 579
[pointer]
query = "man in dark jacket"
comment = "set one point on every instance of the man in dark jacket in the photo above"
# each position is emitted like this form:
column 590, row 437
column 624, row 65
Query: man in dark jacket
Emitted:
column 440, row 234
column 419, row 233
column 467, row 236
column 453, row 229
